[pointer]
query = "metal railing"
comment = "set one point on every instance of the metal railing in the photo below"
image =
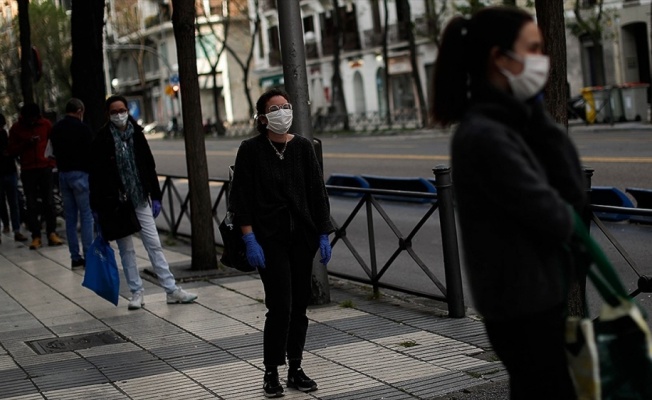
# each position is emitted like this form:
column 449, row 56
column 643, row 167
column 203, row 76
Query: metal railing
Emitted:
column 176, row 210
column 644, row 283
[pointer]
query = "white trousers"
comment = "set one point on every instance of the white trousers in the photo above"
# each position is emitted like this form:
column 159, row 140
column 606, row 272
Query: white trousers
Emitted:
column 152, row 243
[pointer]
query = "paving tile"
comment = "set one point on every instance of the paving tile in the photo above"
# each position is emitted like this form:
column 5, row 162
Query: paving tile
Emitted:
column 119, row 359
column 383, row 364
column 227, row 381
column 105, row 391
column 213, row 349
column 51, row 368
column 13, row 388
column 69, row 379
column 206, row 359
column 428, row 387
column 167, row 385
column 136, row 370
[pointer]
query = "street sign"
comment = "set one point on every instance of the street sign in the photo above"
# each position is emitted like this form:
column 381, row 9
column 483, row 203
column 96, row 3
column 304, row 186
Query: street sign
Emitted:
column 174, row 79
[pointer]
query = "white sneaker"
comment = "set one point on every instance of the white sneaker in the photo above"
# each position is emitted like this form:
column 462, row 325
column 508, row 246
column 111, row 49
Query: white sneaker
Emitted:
column 137, row 301
column 181, row 296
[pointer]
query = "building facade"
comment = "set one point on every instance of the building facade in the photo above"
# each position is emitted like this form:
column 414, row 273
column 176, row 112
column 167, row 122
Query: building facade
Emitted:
column 142, row 60
column 361, row 64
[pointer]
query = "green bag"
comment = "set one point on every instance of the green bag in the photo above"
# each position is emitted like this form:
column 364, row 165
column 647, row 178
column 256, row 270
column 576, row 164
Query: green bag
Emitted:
column 611, row 357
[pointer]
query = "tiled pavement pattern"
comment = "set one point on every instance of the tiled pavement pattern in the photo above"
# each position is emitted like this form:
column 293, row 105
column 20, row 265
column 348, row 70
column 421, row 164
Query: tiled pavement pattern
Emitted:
column 385, row 348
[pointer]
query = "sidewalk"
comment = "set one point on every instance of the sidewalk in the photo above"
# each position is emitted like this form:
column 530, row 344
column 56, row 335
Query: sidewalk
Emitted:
column 58, row 340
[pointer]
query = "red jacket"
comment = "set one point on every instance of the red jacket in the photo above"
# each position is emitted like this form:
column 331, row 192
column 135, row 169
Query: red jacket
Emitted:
column 28, row 143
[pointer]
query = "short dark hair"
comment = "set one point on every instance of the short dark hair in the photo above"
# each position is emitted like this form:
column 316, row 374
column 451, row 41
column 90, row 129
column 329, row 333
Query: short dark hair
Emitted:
column 3, row 120
column 462, row 62
column 112, row 99
column 74, row 105
column 30, row 110
column 262, row 102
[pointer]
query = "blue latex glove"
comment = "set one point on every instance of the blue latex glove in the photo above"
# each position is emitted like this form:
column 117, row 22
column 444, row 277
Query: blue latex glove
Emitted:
column 324, row 249
column 156, row 208
column 255, row 255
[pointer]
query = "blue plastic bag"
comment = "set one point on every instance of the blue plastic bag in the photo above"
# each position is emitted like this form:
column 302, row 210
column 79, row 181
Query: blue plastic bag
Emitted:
column 101, row 274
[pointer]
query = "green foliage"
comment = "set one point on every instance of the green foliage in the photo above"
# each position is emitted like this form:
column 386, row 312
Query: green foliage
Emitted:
column 50, row 34
column 347, row 304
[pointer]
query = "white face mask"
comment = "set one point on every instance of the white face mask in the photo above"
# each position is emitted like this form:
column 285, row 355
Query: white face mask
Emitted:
column 120, row 120
column 279, row 121
column 532, row 79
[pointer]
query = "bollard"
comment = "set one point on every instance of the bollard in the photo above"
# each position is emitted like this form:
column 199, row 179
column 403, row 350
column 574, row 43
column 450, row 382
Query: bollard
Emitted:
column 454, row 292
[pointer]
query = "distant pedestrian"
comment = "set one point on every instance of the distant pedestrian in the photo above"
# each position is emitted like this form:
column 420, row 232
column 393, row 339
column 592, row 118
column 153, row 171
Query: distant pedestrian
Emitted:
column 517, row 178
column 9, row 185
column 71, row 143
column 123, row 173
column 28, row 139
column 280, row 203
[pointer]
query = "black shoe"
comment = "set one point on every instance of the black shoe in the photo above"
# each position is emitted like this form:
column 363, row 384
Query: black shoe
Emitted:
column 297, row 379
column 272, row 386
column 77, row 264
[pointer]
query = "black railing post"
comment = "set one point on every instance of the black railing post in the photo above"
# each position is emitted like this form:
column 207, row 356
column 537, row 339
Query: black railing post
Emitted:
column 586, row 214
column 454, row 292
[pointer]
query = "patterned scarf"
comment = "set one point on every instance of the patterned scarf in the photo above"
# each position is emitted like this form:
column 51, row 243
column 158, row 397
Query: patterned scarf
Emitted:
column 124, row 155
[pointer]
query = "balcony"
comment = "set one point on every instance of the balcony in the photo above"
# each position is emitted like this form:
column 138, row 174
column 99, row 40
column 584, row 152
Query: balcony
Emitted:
column 372, row 39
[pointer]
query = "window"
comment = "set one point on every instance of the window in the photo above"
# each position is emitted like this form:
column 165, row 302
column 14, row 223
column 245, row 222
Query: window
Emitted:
column 274, row 46
column 348, row 22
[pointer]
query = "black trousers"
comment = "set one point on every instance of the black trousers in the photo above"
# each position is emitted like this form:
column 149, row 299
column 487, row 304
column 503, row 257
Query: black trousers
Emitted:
column 287, row 283
column 37, row 183
column 532, row 350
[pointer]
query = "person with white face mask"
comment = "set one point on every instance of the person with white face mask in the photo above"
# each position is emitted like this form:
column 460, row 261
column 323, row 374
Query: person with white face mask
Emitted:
column 517, row 178
column 280, row 203
column 126, row 198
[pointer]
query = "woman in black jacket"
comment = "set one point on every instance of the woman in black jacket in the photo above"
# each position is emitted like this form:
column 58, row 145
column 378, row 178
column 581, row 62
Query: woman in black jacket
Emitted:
column 280, row 202
column 126, row 197
column 517, row 178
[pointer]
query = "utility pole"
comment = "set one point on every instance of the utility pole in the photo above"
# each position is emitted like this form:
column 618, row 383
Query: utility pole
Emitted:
column 293, row 53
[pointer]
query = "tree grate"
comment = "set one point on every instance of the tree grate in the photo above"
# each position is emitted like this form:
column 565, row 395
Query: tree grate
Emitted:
column 77, row 342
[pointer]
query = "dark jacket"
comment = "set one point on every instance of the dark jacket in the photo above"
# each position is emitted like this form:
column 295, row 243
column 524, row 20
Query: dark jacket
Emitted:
column 516, row 175
column 30, row 152
column 104, row 178
column 267, row 192
column 71, row 142
column 7, row 162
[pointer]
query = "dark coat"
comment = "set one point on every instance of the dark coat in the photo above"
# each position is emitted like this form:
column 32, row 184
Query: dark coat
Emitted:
column 104, row 179
column 71, row 142
column 516, row 175
column 269, row 193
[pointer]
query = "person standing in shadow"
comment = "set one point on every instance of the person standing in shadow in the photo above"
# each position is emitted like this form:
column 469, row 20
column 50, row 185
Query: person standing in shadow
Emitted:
column 9, row 184
column 28, row 140
column 71, row 143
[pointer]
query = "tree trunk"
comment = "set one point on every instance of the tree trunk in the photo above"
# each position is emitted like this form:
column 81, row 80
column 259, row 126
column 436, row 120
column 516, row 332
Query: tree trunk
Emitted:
column 204, row 255
column 416, row 77
column 26, row 84
column 87, row 65
column 550, row 17
column 338, row 102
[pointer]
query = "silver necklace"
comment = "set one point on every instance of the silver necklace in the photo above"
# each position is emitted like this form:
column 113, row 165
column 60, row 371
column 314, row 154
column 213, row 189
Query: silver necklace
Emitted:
column 279, row 154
